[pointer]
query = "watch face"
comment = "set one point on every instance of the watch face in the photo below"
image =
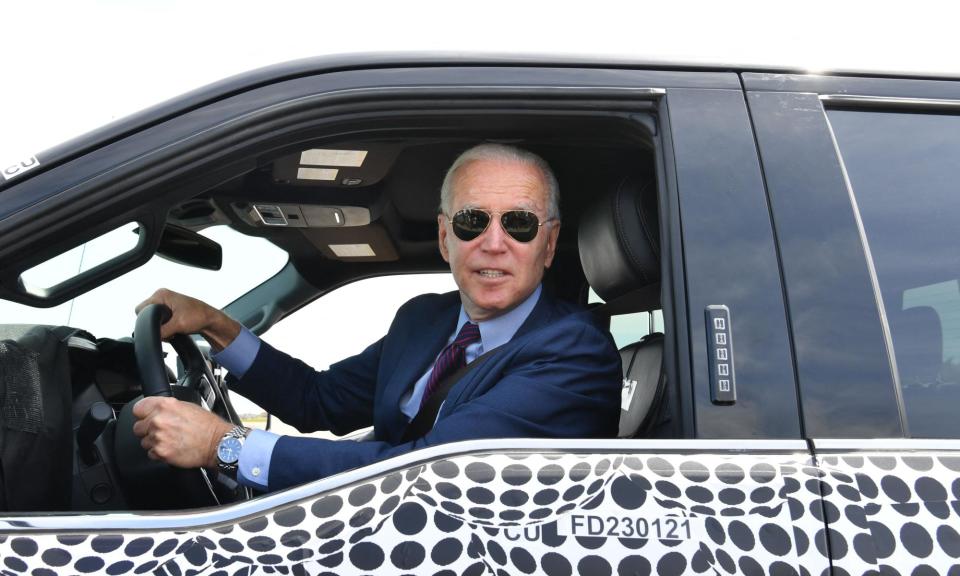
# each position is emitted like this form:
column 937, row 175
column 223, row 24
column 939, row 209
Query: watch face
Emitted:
column 229, row 450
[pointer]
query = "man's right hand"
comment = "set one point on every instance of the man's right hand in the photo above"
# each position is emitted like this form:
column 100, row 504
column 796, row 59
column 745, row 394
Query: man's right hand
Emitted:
column 192, row 316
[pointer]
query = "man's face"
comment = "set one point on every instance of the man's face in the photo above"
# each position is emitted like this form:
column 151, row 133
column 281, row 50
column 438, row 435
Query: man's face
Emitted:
column 493, row 271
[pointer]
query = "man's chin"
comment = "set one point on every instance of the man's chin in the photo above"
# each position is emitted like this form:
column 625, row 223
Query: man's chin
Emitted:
column 489, row 308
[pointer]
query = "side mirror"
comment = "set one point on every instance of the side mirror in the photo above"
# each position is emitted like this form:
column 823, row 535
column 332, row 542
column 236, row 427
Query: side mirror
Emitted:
column 184, row 246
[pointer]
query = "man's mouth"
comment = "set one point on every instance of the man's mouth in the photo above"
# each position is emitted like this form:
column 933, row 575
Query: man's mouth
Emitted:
column 487, row 273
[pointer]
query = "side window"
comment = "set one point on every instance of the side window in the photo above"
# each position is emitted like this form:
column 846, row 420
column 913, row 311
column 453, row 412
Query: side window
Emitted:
column 339, row 325
column 629, row 328
column 903, row 170
column 108, row 310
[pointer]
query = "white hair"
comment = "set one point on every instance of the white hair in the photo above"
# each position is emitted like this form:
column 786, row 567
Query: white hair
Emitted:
column 502, row 152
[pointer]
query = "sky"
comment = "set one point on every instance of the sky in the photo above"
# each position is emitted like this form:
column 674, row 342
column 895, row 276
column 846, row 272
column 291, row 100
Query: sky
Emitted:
column 73, row 66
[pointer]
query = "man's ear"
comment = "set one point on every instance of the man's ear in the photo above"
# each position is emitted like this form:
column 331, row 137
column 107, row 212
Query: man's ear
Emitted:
column 552, row 236
column 442, row 238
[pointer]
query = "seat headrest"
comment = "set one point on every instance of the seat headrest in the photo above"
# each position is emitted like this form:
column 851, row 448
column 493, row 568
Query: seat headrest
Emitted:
column 619, row 239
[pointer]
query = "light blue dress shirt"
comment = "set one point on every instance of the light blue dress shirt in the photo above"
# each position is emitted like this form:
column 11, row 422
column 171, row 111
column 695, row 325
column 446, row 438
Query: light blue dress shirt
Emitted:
column 254, row 466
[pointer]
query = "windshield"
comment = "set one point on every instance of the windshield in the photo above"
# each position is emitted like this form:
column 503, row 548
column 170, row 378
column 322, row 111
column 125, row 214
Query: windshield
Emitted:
column 108, row 311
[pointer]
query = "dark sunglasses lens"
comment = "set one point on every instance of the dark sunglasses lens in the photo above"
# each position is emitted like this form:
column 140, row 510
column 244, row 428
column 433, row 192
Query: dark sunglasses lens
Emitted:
column 520, row 224
column 468, row 224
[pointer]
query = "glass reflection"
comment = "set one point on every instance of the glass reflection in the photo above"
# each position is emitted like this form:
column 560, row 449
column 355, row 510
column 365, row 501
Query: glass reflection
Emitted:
column 904, row 169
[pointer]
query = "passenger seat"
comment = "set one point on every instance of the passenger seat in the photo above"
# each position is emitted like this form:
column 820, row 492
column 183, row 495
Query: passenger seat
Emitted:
column 619, row 240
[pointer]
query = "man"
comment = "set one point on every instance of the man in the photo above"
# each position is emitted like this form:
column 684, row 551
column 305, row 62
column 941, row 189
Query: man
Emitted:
column 554, row 372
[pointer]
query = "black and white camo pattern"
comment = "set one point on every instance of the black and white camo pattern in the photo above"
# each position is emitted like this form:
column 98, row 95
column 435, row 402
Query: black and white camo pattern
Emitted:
column 502, row 514
column 893, row 515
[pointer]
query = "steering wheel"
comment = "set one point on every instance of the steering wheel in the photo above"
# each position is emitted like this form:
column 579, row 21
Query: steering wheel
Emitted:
column 153, row 371
column 150, row 483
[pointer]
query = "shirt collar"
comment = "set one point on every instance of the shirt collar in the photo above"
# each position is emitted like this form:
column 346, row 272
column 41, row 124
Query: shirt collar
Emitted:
column 498, row 331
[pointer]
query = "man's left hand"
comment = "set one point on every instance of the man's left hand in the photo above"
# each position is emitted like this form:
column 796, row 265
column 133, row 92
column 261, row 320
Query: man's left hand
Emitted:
column 178, row 433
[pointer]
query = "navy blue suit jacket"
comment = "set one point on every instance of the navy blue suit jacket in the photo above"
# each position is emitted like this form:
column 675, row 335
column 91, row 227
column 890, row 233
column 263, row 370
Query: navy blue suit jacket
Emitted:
column 559, row 376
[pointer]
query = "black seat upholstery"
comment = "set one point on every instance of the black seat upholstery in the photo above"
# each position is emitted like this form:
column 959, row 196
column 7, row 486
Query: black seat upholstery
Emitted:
column 619, row 241
column 643, row 384
column 36, row 442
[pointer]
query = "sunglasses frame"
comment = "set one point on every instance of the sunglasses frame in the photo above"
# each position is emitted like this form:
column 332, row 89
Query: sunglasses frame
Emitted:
column 490, row 215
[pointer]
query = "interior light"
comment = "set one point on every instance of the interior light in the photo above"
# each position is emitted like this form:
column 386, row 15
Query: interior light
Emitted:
column 352, row 250
column 328, row 157
column 317, row 173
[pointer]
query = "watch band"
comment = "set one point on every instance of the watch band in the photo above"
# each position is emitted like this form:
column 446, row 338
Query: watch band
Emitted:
column 240, row 433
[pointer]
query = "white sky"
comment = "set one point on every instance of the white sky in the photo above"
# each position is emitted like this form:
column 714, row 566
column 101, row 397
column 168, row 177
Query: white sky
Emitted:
column 72, row 66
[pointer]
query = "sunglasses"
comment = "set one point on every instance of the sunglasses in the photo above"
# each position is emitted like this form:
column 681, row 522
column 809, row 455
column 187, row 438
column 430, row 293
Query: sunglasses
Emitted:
column 521, row 225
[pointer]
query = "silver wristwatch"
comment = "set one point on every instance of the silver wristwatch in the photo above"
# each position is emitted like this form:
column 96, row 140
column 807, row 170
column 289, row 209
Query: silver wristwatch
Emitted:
column 228, row 450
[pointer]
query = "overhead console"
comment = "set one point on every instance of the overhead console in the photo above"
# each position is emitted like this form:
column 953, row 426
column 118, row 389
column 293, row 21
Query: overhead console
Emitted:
column 301, row 215
column 339, row 232
column 329, row 171
column 329, row 194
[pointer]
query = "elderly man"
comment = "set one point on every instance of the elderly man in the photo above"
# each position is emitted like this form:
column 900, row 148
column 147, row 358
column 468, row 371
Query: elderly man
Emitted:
column 547, row 370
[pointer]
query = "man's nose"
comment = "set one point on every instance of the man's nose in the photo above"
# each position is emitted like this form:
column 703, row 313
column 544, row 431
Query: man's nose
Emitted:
column 494, row 238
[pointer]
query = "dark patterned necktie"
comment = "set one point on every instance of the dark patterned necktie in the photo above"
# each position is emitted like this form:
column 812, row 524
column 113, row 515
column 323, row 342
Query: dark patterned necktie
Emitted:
column 452, row 358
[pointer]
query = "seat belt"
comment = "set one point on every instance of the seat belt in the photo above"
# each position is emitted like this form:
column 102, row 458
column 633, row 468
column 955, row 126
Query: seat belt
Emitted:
column 425, row 418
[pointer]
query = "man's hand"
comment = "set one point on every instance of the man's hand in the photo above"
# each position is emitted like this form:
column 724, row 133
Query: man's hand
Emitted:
column 178, row 433
column 192, row 316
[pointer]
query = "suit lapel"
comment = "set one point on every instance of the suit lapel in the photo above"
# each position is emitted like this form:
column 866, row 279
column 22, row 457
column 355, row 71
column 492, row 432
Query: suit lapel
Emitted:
column 418, row 354
column 541, row 314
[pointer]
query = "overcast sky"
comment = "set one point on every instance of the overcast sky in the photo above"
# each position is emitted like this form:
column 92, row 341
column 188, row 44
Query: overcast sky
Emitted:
column 71, row 66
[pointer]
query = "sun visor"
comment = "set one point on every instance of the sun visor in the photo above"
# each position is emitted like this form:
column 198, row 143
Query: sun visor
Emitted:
column 354, row 244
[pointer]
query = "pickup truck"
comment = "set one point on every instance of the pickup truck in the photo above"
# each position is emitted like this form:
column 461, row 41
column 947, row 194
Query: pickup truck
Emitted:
column 776, row 254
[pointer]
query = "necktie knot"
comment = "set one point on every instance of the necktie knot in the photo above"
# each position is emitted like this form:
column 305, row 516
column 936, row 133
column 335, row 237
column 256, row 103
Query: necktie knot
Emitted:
column 469, row 334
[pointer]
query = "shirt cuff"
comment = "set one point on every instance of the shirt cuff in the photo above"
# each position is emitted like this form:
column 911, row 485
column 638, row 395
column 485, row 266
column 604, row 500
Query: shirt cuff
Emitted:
column 254, row 466
column 239, row 354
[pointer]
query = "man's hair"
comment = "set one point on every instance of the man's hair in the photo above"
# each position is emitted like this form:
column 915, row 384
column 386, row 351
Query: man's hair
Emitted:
column 502, row 152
